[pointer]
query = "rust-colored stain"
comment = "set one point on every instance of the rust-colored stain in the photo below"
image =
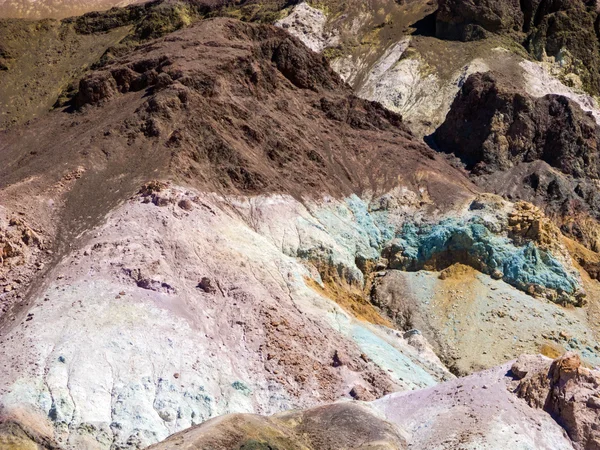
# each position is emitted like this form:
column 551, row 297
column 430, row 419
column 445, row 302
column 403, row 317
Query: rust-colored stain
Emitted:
column 552, row 351
column 350, row 299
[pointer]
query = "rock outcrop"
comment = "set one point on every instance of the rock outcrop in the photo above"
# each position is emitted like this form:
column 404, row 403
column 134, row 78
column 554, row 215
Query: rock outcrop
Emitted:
column 500, row 247
column 469, row 20
column 565, row 30
column 456, row 415
column 543, row 150
column 565, row 389
column 493, row 126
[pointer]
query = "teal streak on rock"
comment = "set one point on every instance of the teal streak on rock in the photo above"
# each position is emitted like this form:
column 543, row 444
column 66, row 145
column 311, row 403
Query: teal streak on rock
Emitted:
column 388, row 357
column 367, row 221
column 474, row 244
column 364, row 234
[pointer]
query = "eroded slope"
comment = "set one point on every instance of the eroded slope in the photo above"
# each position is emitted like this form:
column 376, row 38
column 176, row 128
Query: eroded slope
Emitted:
column 123, row 308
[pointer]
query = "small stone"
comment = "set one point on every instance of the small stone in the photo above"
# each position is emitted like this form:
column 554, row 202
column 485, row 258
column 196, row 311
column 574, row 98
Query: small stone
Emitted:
column 167, row 414
column 186, row 205
column 593, row 402
column 207, row 285
column 361, row 393
column 411, row 333
column 340, row 359
column 176, row 375
column 497, row 275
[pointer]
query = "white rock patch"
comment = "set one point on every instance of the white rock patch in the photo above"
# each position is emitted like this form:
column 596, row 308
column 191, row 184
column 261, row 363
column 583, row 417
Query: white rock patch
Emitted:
column 539, row 81
column 409, row 87
column 308, row 24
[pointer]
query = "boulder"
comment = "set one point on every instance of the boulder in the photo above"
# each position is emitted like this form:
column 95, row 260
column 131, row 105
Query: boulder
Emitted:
column 566, row 390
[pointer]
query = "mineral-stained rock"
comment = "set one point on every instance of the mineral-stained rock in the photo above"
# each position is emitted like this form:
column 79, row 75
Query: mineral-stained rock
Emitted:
column 493, row 125
column 526, row 258
column 542, row 150
column 568, row 391
column 474, row 322
column 474, row 412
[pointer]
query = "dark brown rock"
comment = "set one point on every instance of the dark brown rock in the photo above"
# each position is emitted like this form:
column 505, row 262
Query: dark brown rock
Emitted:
column 564, row 29
column 469, row 20
column 207, row 285
column 493, row 125
column 361, row 393
column 554, row 26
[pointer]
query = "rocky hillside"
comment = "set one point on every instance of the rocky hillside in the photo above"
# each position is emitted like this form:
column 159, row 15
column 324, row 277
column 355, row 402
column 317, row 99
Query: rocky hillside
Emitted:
column 385, row 423
column 415, row 56
column 261, row 225
column 56, row 9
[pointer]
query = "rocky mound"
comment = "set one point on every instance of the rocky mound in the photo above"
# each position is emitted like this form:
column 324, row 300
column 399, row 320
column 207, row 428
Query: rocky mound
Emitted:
column 563, row 29
column 543, row 150
column 493, row 126
column 471, row 20
column 343, row 425
column 455, row 415
column 565, row 389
